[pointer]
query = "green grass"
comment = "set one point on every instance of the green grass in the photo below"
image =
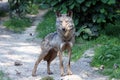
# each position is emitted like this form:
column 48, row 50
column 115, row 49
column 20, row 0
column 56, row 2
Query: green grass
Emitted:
column 17, row 24
column 3, row 77
column 47, row 78
column 108, row 53
column 79, row 48
column 47, row 25
column 106, row 46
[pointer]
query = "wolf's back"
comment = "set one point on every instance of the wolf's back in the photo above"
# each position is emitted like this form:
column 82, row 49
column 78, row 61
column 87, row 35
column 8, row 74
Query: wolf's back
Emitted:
column 47, row 40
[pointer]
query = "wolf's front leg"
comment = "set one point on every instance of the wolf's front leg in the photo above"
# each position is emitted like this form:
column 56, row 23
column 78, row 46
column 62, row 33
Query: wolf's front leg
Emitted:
column 69, row 72
column 61, row 64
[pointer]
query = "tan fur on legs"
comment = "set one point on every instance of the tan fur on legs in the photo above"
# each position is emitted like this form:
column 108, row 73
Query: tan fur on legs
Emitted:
column 61, row 64
column 42, row 55
column 69, row 72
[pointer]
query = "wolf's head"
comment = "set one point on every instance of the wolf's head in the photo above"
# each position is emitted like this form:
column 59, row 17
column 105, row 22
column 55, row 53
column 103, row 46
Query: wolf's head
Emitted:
column 64, row 24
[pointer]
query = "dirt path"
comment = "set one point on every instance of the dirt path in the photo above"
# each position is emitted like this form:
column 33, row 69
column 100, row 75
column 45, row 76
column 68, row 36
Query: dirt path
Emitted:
column 25, row 48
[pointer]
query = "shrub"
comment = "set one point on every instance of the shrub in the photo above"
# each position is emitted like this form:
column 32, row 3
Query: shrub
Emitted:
column 93, row 14
column 113, row 30
column 2, row 14
column 18, row 8
column 32, row 9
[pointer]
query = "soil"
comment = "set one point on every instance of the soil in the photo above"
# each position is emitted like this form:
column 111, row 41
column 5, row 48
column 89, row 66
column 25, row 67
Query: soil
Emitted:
column 18, row 53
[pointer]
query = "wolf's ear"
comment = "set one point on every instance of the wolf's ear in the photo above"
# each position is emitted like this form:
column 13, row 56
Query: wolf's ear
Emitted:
column 70, row 13
column 58, row 14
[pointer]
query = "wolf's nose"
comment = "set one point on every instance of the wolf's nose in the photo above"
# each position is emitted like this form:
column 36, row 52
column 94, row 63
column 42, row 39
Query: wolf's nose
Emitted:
column 63, row 29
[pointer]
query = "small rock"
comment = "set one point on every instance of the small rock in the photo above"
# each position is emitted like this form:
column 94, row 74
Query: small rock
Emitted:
column 17, row 72
column 31, row 34
column 115, row 66
column 18, row 63
column 102, row 67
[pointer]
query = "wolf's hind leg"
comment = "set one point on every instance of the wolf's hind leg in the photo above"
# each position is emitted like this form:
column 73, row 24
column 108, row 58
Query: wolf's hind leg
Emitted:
column 41, row 56
column 49, row 58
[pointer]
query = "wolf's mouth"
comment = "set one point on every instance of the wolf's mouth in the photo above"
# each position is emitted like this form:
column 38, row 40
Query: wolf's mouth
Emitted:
column 68, row 29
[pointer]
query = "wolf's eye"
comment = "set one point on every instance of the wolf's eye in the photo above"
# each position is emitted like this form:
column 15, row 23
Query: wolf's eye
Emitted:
column 60, row 21
column 66, row 21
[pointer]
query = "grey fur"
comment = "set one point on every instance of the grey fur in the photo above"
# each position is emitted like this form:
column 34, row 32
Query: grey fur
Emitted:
column 55, row 43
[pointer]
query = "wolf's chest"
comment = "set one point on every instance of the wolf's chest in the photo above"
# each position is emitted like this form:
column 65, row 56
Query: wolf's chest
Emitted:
column 60, row 44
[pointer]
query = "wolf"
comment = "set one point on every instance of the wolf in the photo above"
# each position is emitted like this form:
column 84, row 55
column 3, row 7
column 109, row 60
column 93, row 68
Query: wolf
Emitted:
column 55, row 43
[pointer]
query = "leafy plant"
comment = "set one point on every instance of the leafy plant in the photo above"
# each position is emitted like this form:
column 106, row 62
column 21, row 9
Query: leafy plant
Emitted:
column 17, row 24
column 87, row 32
column 18, row 8
column 97, row 13
column 113, row 30
column 33, row 9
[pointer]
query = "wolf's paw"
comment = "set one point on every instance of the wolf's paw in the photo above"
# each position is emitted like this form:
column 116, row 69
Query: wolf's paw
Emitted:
column 62, row 74
column 33, row 74
column 50, row 73
column 69, row 73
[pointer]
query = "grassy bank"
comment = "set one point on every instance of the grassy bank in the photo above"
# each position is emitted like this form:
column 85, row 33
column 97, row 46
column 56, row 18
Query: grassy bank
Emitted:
column 47, row 25
column 108, row 51
column 106, row 46
column 17, row 24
